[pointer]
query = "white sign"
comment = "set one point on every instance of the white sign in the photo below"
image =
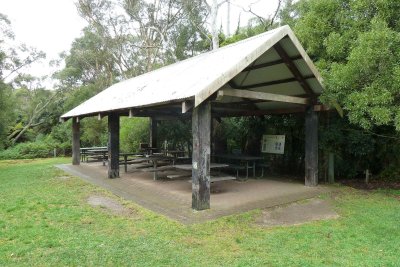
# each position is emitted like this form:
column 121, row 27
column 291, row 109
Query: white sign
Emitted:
column 274, row 144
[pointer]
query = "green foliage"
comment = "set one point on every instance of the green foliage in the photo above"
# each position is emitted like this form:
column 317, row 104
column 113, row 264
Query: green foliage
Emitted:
column 133, row 132
column 243, row 133
column 42, row 148
column 357, row 47
column 94, row 132
column 6, row 114
column 366, row 84
column 243, row 33
column 178, row 134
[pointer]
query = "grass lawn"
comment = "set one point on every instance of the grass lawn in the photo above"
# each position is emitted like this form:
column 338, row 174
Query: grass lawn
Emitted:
column 45, row 220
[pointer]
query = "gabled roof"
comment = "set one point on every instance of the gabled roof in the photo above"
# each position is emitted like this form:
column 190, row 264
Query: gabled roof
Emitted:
column 253, row 62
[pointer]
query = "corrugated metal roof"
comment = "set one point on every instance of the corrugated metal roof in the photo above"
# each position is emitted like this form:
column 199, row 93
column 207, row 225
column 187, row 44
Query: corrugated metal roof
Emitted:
column 199, row 77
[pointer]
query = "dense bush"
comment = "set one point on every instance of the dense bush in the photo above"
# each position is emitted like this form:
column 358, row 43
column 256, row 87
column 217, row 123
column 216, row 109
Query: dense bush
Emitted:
column 133, row 131
column 36, row 149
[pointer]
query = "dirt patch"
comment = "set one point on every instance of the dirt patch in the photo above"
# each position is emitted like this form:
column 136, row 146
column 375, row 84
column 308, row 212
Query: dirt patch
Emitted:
column 360, row 184
column 297, row 213
column 108, row 204
column 64, row 177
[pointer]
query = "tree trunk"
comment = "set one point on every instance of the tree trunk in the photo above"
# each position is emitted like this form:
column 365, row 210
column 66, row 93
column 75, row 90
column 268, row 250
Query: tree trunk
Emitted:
column 214, row 28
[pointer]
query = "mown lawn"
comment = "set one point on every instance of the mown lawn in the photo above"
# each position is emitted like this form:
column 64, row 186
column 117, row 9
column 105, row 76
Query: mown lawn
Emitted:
column 45, row 220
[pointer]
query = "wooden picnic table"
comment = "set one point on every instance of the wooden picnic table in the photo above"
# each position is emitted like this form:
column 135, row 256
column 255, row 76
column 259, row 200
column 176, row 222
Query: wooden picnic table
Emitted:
column 84, row 151
column 97, row 151
column 174, row 153
column 149, row 150
column 188, row 167
column 155, row 159
column 125, row 155
column 246, row 158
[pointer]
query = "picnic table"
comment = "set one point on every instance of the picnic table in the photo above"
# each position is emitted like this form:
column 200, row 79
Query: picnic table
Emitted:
column 175, row 153
column 188, row 167
column 155, row 160
column 146, row 149
column 84, row 151
column 138, row 158
column 241, row 157
column 98, row 152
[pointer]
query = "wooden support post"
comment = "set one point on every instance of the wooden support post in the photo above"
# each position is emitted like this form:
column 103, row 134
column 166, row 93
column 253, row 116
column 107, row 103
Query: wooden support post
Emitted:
column 311, row 146
column 201, row 129
column 113, row 145
column 153, row 132
column 76, row 147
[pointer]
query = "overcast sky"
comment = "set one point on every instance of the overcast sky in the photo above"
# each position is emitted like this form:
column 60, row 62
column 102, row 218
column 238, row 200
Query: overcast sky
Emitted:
column 52, row 25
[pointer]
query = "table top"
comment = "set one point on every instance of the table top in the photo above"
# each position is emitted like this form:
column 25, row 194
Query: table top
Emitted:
column 158, row 157
column 188, row 167
column 174, row 151
column 92, row 148
column 239, row 157
column 97, row 150
column 131, row 154
column 149, row 148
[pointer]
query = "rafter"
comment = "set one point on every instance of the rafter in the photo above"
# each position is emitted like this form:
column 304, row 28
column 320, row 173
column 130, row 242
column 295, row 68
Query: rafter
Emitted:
column 269, row 64
column 293, row 69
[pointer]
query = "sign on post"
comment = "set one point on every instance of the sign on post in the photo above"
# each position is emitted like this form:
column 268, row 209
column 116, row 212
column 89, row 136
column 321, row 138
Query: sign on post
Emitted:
column 274, row 144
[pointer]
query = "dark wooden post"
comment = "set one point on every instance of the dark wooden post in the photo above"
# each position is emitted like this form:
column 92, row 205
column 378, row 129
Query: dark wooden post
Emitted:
column 201, row 129
column 153, row 132
column 311, row 145
column 76, row 147
column 113, row 145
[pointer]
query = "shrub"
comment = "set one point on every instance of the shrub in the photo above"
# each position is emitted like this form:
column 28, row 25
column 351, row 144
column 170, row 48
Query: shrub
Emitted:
column 38, row 149
column 133, row 131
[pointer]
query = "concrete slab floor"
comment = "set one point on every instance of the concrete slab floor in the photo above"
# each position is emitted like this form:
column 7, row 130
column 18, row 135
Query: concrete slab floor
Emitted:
column 172, row 198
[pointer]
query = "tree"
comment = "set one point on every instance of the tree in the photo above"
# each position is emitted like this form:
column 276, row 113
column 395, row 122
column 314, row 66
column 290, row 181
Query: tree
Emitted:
column 213, row 13
column 356, row 45
column 142, row 35
column 33, row 105
column 124, row 39
column 11, row 67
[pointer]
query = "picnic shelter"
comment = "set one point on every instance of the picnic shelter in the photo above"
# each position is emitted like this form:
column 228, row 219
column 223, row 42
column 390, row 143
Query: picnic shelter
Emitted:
column 266, row 74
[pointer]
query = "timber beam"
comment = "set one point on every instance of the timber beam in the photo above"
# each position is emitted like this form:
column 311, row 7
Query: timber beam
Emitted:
column 269, row 64
column 264, row 84
column 263, row 96
column 293, row 69
column 241, row 111
column 187, row 106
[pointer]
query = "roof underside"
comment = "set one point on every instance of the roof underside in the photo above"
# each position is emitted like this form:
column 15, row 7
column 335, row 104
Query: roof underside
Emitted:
column 272, row 62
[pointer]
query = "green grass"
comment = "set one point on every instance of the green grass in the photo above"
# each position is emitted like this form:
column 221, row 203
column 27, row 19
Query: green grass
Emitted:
column 45, row 221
